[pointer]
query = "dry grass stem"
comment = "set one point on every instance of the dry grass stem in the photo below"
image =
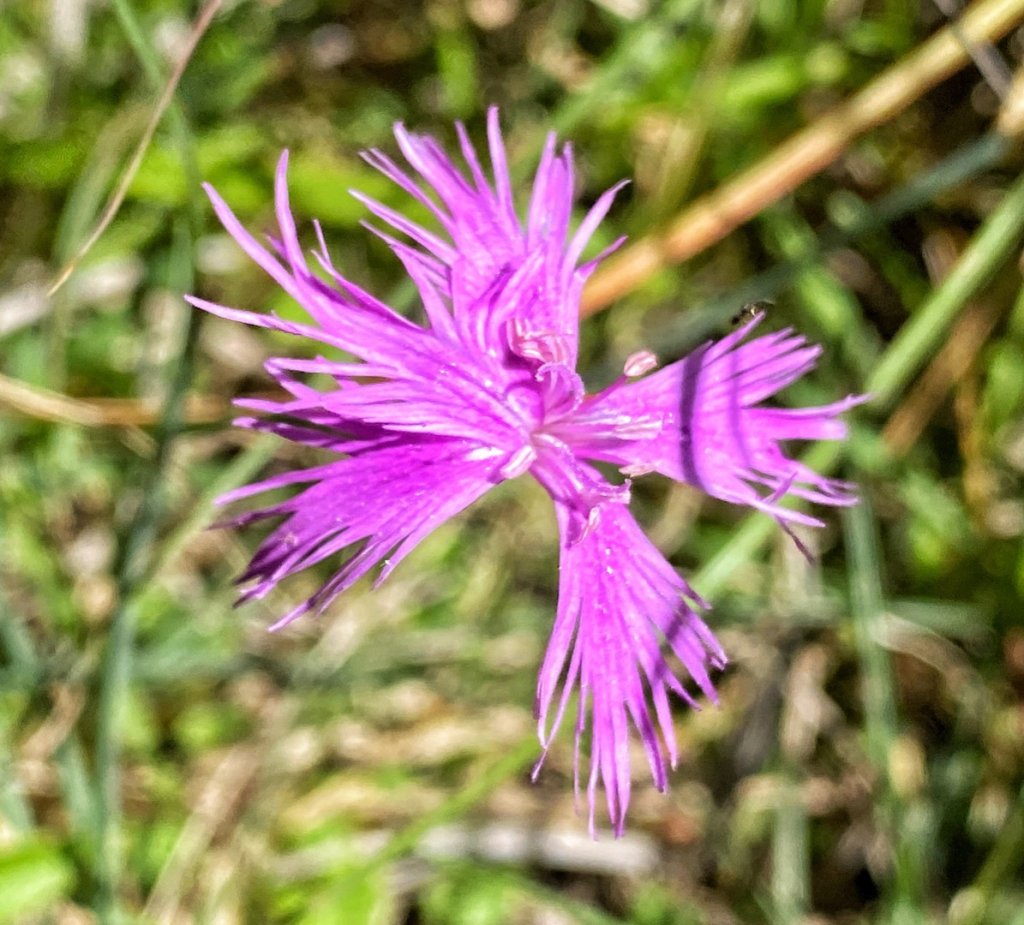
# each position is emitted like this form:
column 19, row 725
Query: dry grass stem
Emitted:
column 218, row 800
column 712, row 217
column 1010, row 121
column 200, row 26
column 950, row 365
column 47, row 405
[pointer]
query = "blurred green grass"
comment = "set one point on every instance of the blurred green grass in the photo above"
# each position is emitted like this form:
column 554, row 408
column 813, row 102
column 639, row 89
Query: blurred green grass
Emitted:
column 162, row 759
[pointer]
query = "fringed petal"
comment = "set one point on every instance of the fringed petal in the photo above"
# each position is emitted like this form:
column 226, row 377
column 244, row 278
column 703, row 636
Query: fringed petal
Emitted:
column 373, row 507
column 621, row 609
column 700, row 421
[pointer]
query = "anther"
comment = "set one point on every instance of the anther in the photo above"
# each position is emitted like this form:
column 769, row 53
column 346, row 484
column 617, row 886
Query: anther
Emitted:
column 519, row 462
column 639, row 363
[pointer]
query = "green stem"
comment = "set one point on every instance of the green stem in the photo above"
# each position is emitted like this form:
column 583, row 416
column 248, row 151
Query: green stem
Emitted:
column 148, row 57
column 133, row 566
column 1002, row 861
column 921, row 335
column 867, row 607
column 965, row 163
column 136, row 553
column 791, row 863
column 991, row 247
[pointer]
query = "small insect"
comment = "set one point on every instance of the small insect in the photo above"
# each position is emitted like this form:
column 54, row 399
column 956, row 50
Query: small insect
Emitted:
column 750, row 311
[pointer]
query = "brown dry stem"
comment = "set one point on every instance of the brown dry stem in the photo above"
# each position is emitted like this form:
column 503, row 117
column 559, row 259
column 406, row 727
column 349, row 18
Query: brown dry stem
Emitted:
column 712, row 217
column 46, row 405
column 701, row 225
column 951, row 364
column 200, row 26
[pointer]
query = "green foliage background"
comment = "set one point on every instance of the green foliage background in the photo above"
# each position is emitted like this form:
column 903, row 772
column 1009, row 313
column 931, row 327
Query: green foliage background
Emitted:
column 164, row 759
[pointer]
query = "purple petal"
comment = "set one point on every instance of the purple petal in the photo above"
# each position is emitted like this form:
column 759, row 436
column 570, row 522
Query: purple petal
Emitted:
column 700, row 421
column 372, row 507
column 620, row 604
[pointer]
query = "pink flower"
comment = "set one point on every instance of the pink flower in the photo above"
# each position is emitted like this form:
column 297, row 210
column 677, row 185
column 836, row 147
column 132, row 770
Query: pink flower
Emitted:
column 431, row 415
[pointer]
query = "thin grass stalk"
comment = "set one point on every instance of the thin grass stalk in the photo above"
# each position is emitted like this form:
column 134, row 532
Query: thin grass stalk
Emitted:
column 136, row 552
column 962, row 165
column 1000, row 865
column 990, row 248
column 714, row 216
column 78, row 792
column 904, row 823
column 136, row 556
column 791, row 857
column 14, row 807
column 919, row 338
column 867, row 608
column 25, row 669
column 183, row 136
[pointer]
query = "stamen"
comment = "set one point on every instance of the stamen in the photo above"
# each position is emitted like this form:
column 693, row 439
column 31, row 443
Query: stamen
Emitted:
column 543, row 346
column 563, row 389
column 593, row 519
column 639, row 363
column 519, row 462
column 633, row 470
